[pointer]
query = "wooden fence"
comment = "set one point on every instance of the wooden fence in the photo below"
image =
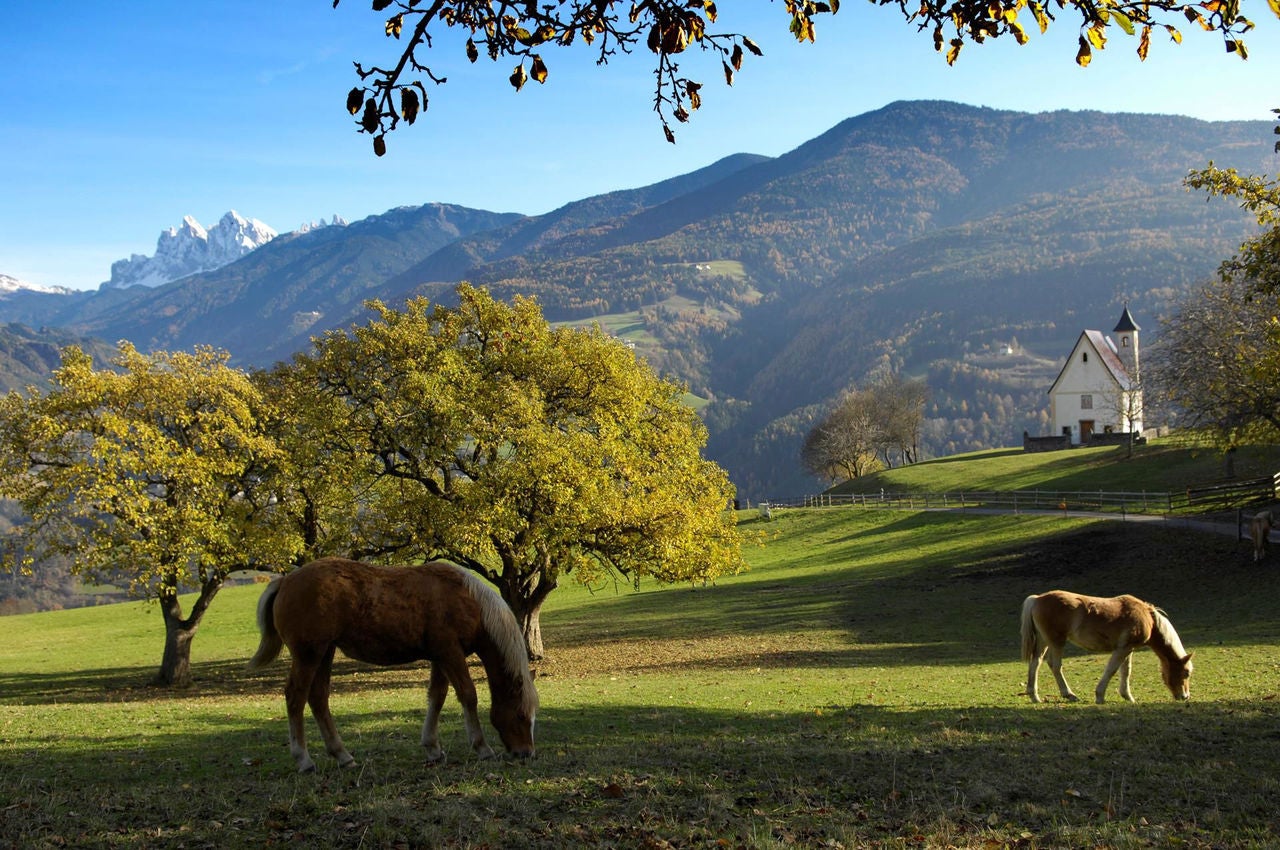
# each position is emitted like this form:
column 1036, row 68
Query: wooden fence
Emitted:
column 1195, row 500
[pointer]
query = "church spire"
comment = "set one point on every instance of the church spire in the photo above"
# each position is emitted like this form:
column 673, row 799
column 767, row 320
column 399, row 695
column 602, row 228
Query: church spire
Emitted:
column 1127, row 332
column 1126, row 323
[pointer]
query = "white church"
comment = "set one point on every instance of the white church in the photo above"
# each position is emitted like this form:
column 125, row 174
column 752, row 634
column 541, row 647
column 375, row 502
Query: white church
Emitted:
column 1097, row 397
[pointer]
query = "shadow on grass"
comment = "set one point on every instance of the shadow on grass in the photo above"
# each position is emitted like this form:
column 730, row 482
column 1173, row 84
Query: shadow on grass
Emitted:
column 1195, row 775
column 212, row 679
column 953, row 605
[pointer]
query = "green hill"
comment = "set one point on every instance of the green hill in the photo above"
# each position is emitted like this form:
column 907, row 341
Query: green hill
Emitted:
column 1167, row 465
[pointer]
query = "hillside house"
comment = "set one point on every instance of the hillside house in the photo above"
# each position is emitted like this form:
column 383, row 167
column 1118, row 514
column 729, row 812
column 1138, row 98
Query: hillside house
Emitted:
column 1097, row 397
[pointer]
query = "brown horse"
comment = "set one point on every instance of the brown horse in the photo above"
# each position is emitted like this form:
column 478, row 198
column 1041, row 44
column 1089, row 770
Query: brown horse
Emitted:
column 394, row 615
column 1260, row 531
column 1118, row 625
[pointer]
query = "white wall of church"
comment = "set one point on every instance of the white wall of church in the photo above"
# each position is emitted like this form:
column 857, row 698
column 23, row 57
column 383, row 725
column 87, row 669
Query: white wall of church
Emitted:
column 1086, row 392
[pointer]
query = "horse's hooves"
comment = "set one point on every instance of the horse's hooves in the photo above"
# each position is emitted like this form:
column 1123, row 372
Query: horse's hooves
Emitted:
column 309, row 767
column 351, row 762
column 437, row 759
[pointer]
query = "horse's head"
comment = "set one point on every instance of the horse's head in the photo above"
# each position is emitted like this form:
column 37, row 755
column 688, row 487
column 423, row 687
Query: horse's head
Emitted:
column 1177, row 676
column 514, row 718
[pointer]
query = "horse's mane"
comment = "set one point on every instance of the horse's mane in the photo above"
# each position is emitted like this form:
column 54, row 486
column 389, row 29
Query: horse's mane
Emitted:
column 502, row 627
column 1165, row 629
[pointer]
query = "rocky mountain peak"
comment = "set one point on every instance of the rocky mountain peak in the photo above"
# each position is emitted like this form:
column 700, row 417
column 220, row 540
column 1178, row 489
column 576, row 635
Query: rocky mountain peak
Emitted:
column 189, row 249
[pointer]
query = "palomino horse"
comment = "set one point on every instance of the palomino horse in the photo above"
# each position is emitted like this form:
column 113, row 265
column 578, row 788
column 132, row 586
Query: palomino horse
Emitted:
column 394, row 615
column 1260, row 531
column 1118, row 625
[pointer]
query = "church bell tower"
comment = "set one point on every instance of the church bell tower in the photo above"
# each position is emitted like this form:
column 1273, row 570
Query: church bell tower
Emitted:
column 1126, row 332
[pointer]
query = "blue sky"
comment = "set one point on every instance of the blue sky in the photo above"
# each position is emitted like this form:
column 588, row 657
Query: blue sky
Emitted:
column 120, row 118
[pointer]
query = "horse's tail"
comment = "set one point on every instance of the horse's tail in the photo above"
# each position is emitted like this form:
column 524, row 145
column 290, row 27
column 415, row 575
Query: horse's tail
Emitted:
column 271, row 642
column 1028, row 629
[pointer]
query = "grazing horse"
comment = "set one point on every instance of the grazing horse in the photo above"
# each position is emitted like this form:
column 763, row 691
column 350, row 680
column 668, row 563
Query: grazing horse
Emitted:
column 1260, row 531
column 1118, row 625
column 394, row 615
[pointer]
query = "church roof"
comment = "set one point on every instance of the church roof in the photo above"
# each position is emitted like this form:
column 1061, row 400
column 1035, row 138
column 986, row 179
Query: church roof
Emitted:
column 1101, row 346
column 1110, row 359
column 1126, row 322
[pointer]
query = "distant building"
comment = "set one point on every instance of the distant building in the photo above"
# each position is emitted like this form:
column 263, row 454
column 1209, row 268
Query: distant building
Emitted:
column 1097, row 392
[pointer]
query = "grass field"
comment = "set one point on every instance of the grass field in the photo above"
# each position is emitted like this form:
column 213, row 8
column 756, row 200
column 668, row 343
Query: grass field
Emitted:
column 858, row 687
column 1163, row 465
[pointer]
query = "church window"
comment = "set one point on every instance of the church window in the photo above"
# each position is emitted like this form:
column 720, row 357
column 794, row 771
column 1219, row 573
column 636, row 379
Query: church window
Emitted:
column 1086, row 402
column 1084, row 357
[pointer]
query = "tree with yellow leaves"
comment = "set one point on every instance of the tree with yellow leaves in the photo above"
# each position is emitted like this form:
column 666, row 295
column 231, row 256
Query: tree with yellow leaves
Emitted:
column 157, row 474
column 524, row 452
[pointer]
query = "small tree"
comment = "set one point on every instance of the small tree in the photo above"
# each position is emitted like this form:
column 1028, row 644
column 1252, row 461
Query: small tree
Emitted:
column 1128, row 405
column 901, row 408
column 867, row 428
column 156, row 474
column 524, row 452
column 844, row 442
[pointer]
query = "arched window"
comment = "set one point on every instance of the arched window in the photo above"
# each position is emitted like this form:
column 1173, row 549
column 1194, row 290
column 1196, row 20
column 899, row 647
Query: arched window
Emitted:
column 1084, row 357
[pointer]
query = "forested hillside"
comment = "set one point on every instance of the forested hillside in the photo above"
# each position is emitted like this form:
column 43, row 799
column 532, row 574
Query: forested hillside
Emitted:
column 965, row 246
column 29, row 356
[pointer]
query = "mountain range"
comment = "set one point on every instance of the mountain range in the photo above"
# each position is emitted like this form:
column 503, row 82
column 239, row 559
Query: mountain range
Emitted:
column 964, row 246
column 189, row 249
column 9, row 285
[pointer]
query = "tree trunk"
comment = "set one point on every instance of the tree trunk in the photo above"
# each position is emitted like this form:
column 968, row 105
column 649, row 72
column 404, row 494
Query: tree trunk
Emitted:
column 179, row 631
column 525, row 599
column 175, row 666
column 531, row 624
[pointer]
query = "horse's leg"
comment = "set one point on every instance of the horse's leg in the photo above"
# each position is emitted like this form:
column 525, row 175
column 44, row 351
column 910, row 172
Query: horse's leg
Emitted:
column 437, row 690
column 296, row 688
column 1126, row 667
column 1055, row 664
column 1033, row 674
column 1118, row 658
column 455, row 668
column 318, row 697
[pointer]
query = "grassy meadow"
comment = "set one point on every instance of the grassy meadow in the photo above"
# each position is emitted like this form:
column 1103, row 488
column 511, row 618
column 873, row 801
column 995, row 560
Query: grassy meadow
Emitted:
column 1164, row 465
column 859, row 687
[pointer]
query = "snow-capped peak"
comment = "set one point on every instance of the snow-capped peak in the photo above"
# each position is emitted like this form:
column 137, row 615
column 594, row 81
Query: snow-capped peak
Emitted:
column 10, row 285
column 189, row 249
column 307, row 227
